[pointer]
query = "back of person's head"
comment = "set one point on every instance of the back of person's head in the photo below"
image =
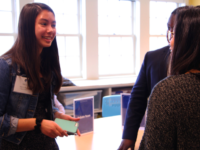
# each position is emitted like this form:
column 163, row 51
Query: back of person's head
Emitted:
column 175, row 11
column 186, row 51
column 25, row 51
column 198, row 6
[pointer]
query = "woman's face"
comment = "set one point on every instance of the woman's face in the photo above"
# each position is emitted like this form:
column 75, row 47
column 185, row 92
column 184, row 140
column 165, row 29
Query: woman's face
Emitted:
column 45, row 30
column 170, row 26
column 171, row 43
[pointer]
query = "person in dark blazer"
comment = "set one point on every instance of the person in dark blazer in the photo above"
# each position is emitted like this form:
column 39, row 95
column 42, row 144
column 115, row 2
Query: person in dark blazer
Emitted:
column 154, row 69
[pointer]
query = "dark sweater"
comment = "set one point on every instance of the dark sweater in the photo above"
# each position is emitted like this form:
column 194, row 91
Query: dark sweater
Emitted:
column 173, row 119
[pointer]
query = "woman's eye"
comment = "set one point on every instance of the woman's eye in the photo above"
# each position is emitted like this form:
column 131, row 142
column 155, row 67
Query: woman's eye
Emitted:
column 43, row 24
column 53, row 25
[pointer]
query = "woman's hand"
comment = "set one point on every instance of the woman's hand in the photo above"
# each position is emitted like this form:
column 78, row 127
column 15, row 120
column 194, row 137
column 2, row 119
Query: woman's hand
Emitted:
column 67, row 117
column 52, row 129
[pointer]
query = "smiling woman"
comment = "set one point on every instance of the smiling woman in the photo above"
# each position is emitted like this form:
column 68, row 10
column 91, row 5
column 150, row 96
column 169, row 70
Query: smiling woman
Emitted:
column 45, row 30
column 27, row 110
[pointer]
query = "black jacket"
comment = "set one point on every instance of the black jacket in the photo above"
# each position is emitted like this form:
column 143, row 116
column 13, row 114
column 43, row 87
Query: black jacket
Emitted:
column 154, row 69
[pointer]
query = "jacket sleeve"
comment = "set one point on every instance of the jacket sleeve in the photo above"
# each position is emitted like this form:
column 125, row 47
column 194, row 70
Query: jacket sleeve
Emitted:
column 137, row 104
column 8, row 124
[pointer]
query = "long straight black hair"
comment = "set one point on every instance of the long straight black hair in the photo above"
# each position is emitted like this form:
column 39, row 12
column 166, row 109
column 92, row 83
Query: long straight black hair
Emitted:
column 25, row 53
column 186, row 52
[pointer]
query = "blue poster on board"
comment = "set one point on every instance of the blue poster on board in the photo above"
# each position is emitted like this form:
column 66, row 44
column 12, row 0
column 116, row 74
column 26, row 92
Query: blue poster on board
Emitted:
column 84, row 109
column 124, row 101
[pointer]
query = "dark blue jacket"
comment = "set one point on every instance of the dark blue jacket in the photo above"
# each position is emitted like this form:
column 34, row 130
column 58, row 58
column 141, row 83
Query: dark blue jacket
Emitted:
column 154, row 69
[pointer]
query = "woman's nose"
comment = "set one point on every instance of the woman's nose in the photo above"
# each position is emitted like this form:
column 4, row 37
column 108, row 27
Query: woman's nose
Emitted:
column 50, row 28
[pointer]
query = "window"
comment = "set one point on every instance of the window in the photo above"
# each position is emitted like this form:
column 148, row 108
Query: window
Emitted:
column 158, row 22
column 116, row 37
column 8, row 15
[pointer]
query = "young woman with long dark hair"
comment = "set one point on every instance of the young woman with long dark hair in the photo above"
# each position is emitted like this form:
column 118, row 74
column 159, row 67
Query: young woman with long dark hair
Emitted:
column 30, row 75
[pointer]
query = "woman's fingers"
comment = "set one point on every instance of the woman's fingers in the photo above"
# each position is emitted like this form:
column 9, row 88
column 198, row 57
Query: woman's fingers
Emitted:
column 68, row 117
column 52, row 129
column 65, row 133
column 75, row 119
column 78, row 132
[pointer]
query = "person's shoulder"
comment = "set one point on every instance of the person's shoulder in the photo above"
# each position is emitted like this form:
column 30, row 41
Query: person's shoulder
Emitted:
column 5, row 66
column 5, row 59
column 169, row 90
column 169, row 81
column 162, row 50
column 176, row 82
column 153, row 57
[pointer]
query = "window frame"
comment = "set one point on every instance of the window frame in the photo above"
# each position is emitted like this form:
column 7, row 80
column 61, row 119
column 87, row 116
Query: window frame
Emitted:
column 132, row 35
column 15, row 15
